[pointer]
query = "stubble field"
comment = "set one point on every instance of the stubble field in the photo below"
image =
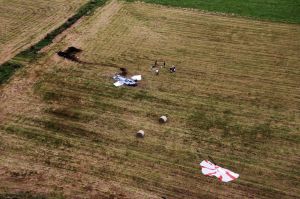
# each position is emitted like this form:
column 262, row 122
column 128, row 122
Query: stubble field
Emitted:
column 67, row 130
column 23, row 23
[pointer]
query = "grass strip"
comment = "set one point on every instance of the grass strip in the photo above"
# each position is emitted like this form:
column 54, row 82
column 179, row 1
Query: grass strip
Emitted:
column 271, row 10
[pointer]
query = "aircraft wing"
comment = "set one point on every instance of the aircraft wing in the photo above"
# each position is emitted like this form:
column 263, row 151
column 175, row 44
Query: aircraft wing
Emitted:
column 137, row 77
column 118, row 83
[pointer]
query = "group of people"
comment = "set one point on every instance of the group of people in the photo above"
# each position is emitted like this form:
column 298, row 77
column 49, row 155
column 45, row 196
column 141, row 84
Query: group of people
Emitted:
column 156, row 67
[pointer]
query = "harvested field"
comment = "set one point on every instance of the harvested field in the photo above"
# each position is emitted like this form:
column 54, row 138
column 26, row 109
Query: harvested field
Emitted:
column 235, row 97
column 23, row 23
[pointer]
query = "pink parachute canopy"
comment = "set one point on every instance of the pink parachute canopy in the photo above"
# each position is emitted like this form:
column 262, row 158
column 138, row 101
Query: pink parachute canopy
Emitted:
column 224, row 175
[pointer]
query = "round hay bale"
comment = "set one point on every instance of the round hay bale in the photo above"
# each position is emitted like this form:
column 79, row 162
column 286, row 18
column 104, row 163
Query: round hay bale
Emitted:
column 140, row 134
column 163, row 119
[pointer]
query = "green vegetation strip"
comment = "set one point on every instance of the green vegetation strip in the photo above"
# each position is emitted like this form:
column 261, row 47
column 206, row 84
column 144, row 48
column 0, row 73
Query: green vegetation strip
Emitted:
column 8, row 68
column 273, row 10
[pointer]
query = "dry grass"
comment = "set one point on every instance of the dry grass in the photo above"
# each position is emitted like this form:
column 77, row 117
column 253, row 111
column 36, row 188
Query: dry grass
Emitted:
column 235, row 97
column 23, row 23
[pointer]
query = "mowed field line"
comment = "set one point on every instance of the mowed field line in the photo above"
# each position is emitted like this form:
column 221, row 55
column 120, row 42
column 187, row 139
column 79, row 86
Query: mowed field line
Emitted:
column 24, row 23
column 235, row 97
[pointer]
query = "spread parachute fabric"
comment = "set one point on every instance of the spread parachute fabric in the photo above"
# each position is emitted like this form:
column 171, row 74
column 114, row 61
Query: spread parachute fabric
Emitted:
column 224, row 175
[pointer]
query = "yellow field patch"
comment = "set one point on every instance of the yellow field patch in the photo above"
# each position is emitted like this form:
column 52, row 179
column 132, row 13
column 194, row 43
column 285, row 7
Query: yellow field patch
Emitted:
column 235, row 97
